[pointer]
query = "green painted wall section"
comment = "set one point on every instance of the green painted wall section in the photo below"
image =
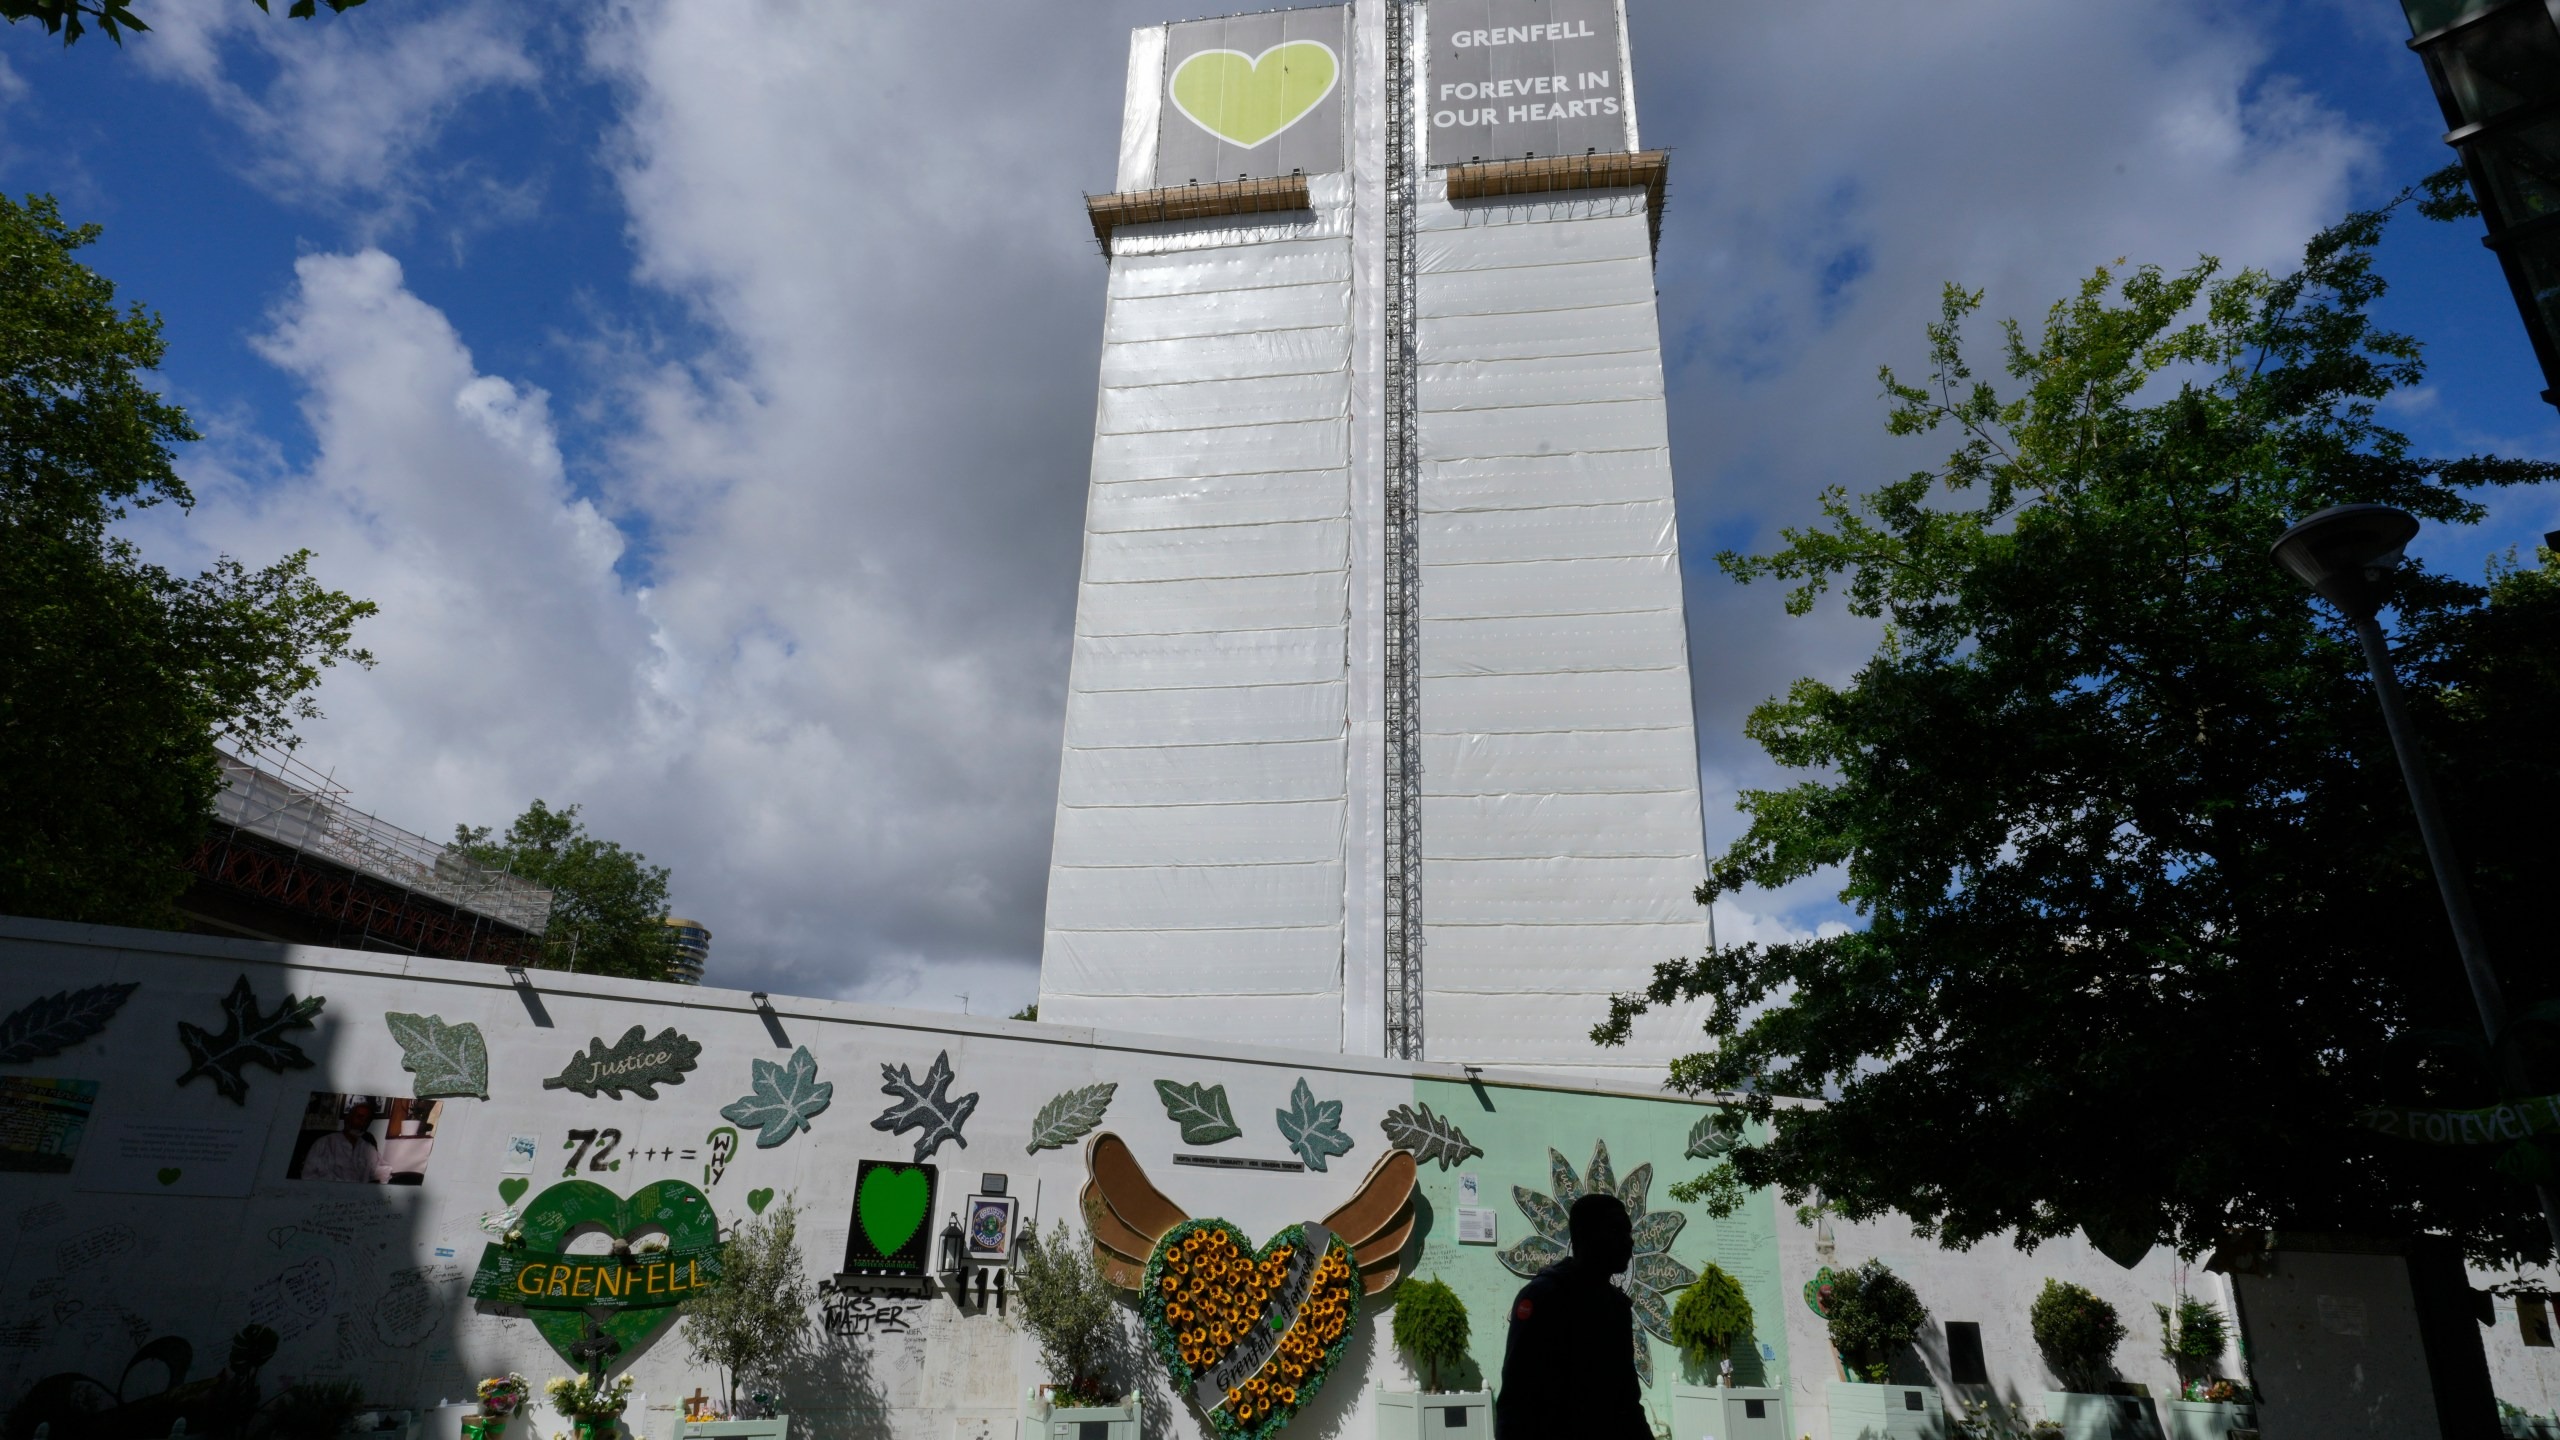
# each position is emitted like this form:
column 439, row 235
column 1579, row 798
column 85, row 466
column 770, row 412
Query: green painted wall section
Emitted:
column 1516, row 1128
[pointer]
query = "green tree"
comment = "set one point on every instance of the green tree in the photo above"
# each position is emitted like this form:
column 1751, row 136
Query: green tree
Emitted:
column 1069, row 1309
column 2146, row 921
column 1874, row 1314
column 2077, row 1333
column 1431, row 1326
column 753, row 1323
column 608, row 904
column 117, row 677
column 71, row 19
column 1713, row 1312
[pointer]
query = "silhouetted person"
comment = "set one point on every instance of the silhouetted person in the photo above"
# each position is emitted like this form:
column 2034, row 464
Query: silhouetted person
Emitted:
column 1569, row 1368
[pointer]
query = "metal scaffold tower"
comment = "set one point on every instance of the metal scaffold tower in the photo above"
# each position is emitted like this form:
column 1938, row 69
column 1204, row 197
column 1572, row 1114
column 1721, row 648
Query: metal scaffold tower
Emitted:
column 1403, row 825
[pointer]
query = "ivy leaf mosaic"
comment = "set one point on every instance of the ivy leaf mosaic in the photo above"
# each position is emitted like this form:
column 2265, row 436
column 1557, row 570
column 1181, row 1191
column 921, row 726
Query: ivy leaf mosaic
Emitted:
column 1430, row 1137
column 637, row 1062
column 51, row 1024
column 247, row 1038
column 1653, row 1277
column 1713, row 1137
column 1201, row 1110
column 449, row 1060
column 786, row 1097
column 925, row 1106
column 1069, row 1117
column 1313, row 1128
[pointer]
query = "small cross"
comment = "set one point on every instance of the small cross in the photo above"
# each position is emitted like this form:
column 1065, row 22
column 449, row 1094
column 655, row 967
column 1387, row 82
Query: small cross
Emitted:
column 594, row 1349
column 696, row 1404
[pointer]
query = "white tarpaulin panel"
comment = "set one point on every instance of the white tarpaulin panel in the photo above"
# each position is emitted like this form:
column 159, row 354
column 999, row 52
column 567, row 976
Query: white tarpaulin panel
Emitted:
column 1561, row 532
column 1525, row 958
column 1229, row 450
column 1203, row 897
column 1199, row 834
column 1506, row 246
column 1604, row 700
column 1544, row 1029
column 1612, row 329
column 1225, row 312
column 1211, row 404
column 1545, row 429
column 1547, row 587
column 1545, row 380
column 1547, row 644
column 1576, row 206
column 1526, row 482
column 1277, row 961
column 1512, row 289
column 1591, row 891
column 1224, row 603
column 1223, row 552
column 1310, row 350
column 1567, row 763
column 1193, row 502
column 1202, row 774
column 1258, row 267
column 1295, row 1022
column 1204, row 717
column 1530, row 827
column 1207, row 659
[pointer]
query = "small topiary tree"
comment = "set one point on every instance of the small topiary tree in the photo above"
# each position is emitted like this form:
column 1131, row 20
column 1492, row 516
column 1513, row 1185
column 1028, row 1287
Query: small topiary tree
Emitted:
column 1431, row 1326
column 1712, row 1313
column 2078, row 1333
column 2192, row 1336
column 1874, row 1313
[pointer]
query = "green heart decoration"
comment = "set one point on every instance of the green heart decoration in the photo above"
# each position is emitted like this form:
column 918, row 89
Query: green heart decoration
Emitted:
column 512, row 1189
column 759, row 1198
column 1250, row 1334
column 1245, row 100
column 891, row 1204
column 169, row 1174
column 648, row 1286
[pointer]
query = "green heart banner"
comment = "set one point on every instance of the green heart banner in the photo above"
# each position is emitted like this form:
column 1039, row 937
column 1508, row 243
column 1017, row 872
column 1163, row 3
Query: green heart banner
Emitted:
column 628, row 1299
column 890, row 1204
column 2489, row 1125
column 1246, row 99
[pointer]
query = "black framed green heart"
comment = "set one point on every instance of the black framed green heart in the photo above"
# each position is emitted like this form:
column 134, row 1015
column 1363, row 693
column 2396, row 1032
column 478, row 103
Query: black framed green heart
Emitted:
column 1251, row 1334
column 627, row 1295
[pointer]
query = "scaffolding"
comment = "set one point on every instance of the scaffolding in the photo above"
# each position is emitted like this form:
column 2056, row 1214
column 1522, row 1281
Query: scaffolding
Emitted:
column 1403, row 824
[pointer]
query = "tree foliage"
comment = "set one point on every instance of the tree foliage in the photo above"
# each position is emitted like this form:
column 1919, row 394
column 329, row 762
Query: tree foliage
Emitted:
column 2146, row 920
column 1431, row 1326
column 118, row 677
column 1874, row 1313
column 1068, row 1307
column 608, row 904
column 2193, row 1335
column 71, row 19
column 1712, row 1313
column 755, row 1320
column 2076, row 1332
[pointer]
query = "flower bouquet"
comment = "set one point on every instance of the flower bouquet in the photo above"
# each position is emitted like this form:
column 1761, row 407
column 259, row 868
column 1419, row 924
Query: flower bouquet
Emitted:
column 2218, row 1391
column 500, row 1396
column 592, row 1406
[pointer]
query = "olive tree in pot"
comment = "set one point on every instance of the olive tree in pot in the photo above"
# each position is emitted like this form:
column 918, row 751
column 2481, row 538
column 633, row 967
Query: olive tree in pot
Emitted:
column 1875, row 1315
column 753, row 1322
column 1431, row 1328
column 2078, row 1334
column 1070, row 1310
column 2208, row 1406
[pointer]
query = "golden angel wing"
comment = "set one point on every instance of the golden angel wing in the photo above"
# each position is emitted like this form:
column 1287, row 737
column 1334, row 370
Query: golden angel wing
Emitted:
column 1123, row 1209
column 1377, row 1221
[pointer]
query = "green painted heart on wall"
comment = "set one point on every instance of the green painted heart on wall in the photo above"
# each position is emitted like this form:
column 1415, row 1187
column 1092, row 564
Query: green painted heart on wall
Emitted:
column 891, row 1205
column 629, row 1299
column 1245, row 100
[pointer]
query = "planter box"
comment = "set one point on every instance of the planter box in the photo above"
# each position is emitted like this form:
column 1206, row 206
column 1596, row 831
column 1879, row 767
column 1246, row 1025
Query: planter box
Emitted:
column 2208, row 1419
column 2528, row 1427
column 2084, row 1416
column 1435, row 1415
column 777, row 1428
column 1096, row 1422
column 1886, row 1412
column 1706, row 1412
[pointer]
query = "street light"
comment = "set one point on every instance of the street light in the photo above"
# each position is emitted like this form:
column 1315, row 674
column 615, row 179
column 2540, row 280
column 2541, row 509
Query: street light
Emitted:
column 2495, row 65
column 2346, row 554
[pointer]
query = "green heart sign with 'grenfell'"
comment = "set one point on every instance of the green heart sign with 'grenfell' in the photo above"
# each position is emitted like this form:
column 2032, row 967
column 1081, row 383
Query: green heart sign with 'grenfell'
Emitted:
column 1246, row 99
column 628, row 1297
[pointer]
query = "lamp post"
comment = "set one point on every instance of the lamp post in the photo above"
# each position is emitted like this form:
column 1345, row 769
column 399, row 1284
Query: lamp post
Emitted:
column 2495, row 65
column 2346, row 554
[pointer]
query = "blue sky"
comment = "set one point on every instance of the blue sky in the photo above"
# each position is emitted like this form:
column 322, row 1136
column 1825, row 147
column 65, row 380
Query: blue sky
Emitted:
column 705, row 391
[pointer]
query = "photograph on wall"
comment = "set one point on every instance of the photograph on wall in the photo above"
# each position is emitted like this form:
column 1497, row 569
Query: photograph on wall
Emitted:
column 988, row 1224
column 892, row 1230
column 41, row 1122
column 364, row 1139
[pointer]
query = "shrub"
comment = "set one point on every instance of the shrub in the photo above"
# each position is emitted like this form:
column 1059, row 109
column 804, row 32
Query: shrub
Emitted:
column 1431, row 1325
column 756, row 1318
column 1874, row 1312
column 1712, row 1312
column 1067, row 1306
column 2078, row 1333
column 2193, row 1335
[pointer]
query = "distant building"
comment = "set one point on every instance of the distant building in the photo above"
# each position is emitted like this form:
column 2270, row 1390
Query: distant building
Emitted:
column 287, row 858
column 692, row 952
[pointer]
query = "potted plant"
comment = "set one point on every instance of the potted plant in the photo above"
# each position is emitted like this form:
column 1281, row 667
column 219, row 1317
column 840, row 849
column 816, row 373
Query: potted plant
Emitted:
column 1431, row 1328
column 2078, row 1334
column 1070, row 1310
column 1874, row 1317
column 1712, row 1316
column 752, row 1323
column 591, row 1404
column 500, row 1397
column 2192, row 1338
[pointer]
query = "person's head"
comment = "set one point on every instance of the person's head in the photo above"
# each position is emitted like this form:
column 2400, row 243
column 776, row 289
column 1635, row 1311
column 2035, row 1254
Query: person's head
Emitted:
column 357, row 1117
column 1603, row 1237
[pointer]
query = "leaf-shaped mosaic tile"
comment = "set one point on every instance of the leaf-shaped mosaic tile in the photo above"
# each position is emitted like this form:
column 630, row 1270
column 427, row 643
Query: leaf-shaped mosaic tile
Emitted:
column 924, row 1105
column 1562, row 1179
column 638, row 1062
column 1430, row 1137
column 1644, row 1360
column 1633, row 1190
column 1712, row 1137
column 1069, row 1117
column 1653, row 1310
column 786, row 1097
column 1201, row 1111
column 1659, row 1275
column 1313, row 1127
column 51, row 1024
column 1548, row 1216
column 1657, row 1230
column 449, row 1060
column 1600, row 1179
column 247, row 1038
column 1531, row 1256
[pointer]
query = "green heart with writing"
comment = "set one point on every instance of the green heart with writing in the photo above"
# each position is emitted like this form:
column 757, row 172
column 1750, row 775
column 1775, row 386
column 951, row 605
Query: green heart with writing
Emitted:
column 1250, row 1334
column 1245, row 100
column 512, row 1190
column 891, row 1205
column 758, row 1199
column 550, row 1219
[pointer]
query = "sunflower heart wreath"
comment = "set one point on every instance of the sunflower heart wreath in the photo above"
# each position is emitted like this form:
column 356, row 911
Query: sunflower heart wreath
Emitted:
column 1251, row 1334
